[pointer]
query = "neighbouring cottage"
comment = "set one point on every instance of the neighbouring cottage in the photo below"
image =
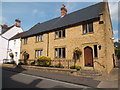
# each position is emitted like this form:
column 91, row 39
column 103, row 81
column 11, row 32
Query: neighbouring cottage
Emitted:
column 14, row 46
column 88, row 30
column 6, row 34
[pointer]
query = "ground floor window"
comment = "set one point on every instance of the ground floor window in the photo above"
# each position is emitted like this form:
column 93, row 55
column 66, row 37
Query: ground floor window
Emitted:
column 60, row 53
column 38, row 53
column 95, row 51
column 16, row 53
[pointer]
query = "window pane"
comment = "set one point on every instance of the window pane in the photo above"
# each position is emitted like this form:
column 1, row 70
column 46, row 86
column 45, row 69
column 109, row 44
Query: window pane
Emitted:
column 56, row 52
column 56, row 34
column 63, row 33
column 84, row 28
column 63, row 52
column 60, row 34
column 59, row 52
column 41, row 37
column 90, row 25
column 95, row 51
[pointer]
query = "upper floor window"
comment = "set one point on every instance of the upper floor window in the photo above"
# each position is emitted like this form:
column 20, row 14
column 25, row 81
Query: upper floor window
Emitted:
column 14, row 42
column 25, row 40
column 87, row 28
column 60, row 52
column 38, row 53
column 39, row 38
column 60, row 34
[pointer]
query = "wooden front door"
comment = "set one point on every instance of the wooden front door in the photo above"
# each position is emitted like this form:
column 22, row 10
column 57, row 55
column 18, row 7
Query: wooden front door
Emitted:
column 88, row 56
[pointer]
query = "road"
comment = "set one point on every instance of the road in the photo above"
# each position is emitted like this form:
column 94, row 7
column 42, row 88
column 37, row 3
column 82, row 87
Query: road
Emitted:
column 20, row 80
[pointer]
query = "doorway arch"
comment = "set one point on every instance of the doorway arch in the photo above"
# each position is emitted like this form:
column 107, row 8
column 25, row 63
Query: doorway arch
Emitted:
column 88, row 56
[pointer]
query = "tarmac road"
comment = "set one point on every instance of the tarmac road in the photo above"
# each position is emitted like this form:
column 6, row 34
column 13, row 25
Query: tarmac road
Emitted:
column 20, row 80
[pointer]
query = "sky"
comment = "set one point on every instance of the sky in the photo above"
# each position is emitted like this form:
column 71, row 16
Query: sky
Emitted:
column 31, row 13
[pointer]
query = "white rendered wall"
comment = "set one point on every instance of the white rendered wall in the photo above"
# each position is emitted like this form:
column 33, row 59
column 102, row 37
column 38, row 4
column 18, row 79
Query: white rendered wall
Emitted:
column 4, row 42
column 14, row 46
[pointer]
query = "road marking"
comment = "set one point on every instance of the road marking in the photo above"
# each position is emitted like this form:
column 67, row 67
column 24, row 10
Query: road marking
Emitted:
column 80, row 86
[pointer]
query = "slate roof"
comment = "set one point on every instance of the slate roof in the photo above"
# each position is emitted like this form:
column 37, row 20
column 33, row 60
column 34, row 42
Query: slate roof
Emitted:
column 81, row 15
column 5, row 29
column 19, row 35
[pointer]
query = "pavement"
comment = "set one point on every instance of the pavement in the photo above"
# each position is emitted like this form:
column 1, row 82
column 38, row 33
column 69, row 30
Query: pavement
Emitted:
column 98, row 82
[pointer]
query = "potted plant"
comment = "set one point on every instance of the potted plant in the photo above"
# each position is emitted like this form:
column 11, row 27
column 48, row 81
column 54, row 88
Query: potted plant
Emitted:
column 77, row 53
column 11, row 55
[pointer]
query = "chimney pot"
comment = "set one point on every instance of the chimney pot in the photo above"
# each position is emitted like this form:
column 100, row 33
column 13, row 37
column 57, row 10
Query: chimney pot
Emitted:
column 17, row 22
column 63, row 10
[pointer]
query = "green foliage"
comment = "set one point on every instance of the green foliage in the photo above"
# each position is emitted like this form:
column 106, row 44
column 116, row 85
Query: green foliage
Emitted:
column 20, row 63
column 75, row 67
column 33, row 63
column 117, row 53
column 12, row 62
column 59, row 65
column 43, row 60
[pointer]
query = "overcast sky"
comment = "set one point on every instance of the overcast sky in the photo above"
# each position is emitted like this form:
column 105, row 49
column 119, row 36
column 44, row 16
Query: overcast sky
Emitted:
column 31, row 13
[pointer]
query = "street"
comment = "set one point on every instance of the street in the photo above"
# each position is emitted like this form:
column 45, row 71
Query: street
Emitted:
column 20, row 80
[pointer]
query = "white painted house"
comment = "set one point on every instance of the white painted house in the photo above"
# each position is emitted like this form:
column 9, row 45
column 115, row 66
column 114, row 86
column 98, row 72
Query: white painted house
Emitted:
column 14, row 46
column 6, row 34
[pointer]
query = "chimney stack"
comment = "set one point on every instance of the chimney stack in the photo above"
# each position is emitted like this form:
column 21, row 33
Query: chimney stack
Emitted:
column 63, row 11
column 17, row 22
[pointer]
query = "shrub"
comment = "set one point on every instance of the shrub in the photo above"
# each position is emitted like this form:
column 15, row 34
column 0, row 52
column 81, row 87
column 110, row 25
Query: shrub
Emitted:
column 75, row 67
column 33, row 63
column 12, row 62
column 20, row 63
column 43, row 60
column 59, row 65
column 117, row 52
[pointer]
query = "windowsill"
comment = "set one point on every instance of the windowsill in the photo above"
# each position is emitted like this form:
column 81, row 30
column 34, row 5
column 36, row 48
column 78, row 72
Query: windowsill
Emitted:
column 38, row 41
column 87, row 33
column 59, row 58
column 24, row 44
column 95, row 57
column 59, row 38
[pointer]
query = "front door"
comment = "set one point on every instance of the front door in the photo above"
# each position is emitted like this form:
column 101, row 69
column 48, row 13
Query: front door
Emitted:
column 88, row 56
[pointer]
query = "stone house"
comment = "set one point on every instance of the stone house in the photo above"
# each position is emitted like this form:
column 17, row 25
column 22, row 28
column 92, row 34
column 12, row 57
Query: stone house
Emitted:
column 89, row 29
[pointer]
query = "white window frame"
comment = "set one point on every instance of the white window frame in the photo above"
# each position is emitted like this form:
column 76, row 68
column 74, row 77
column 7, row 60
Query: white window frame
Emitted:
column 88, row 29
column 57, row 50
column 25, row 40
column 38, row 53
column 39, row 38
column 57, row 34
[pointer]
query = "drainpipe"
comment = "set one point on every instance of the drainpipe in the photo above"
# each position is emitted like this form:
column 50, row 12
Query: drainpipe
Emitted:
column 48, row 44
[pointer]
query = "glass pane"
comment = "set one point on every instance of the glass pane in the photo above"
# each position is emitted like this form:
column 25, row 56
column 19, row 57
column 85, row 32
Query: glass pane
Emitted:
column 60, row 34
column 56, row 52
column 63, row 33
column 59, row 52
column 56, row 34
column 63, row 53
column 95, row 51
column 84, row 28
column 90, row 25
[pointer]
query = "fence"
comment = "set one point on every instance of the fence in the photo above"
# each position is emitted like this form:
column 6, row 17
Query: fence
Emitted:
column 54, row 63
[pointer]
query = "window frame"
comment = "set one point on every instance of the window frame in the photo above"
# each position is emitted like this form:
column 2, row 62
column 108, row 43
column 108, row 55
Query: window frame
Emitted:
column 60, row 34
column 39, row 38
column 38, row 53
column 25, row 41
column 95, row 51
column 88, row 29
column 59, row 52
